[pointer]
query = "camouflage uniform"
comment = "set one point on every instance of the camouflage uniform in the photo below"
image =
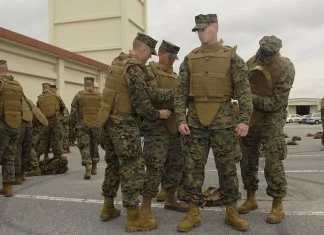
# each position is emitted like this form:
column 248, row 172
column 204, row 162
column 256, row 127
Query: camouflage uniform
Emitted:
column 65, row 123
column 54, row 132
column 24, row 143
column 84, row 109
column 124, row 157
column 219, row 135
column 11, row 94
column 270, row 99
column 162, row 143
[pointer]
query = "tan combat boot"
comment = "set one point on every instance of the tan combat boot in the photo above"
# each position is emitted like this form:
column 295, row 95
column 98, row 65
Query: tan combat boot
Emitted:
column 162, row 195
column 180, row 193
column 109, row 211
column 171, row 203
column 233, row 218
column 6, row 190
column 18, row 180
column 36, row 171
column 135, row 221
column 146, row 210
column 277, row 213
column 94, row 169
column 250, row 204
column 191, row 220
column 87, row 174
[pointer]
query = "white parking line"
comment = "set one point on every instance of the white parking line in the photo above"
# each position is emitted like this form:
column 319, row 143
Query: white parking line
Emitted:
column 154, row 205
column 288, row 171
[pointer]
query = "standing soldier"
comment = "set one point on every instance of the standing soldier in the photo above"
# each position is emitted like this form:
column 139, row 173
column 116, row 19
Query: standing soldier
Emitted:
column 24, row 146
column 39, row 122
column 52, row 107
column 162, row 142
column 11, row 94
column 84, row 120
column 124, row 96
column 209, row 76
column 271, row 78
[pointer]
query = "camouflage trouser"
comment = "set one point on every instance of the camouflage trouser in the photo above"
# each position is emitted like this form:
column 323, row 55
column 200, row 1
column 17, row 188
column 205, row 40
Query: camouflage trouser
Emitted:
column 224, row 147
column 87, row 142
column 8, row 150
column 37, row 132
column 23, row 148
column 66, row 140
column 124, row 160
column 52, row 136
column 275, row 150
column 163, row 157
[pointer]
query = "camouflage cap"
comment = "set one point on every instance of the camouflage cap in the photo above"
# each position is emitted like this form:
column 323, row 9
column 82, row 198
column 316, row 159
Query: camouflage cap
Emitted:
column 148, row 41
column 2, row 62
column 270, row 43
column 203, row 21
column 170, row 48
column 53, row 86
column 88, row 80
column 46, row 85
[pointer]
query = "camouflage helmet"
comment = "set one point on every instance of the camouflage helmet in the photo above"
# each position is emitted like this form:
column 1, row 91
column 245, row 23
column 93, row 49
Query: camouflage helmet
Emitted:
column 203, row 21
column 148, row 41
column 3, row 62
column 270, row 43
column 170, row 48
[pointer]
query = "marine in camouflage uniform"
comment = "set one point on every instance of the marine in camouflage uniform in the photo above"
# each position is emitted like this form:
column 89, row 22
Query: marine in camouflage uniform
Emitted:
column 39, row 122
column 24, row 145
column 53, row 108
column 162, row 142
column 84, row 120
column 65, row 124
column 11, row 94
column 126, row 95
column 271, row 78
column 209, row 76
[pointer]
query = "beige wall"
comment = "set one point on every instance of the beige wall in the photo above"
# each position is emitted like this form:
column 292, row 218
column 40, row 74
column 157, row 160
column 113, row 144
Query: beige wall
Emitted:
column 98, row 29
column 31, row 67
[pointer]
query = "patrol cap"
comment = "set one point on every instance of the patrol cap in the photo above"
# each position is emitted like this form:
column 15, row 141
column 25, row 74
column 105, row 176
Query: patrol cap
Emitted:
column 88, row 80
column 3, row 62
column 270, row 43
column 203, row 21
column 46, row 85
column 148, row 41
column 170, row 48
column 53, row 86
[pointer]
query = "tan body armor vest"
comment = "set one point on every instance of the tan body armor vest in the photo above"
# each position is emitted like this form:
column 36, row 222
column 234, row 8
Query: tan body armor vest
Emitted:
column 89, row 103
column 115, row 96
column 165, row 80
column 210, row 81
column 27, row 114
column 10, row 102
column 262, row 81
column 48, row 104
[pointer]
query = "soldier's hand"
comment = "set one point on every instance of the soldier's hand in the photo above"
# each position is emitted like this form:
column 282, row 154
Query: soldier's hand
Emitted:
column 164, row 113
column 184, row 129
column 242, row 129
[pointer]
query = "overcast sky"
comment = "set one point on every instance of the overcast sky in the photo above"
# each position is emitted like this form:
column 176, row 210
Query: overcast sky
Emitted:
column 299, row 23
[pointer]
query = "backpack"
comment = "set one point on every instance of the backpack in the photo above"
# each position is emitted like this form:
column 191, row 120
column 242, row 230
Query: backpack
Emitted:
column 54, row 166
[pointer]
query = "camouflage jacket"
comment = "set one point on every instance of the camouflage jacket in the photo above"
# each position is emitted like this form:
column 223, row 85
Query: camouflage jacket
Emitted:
column 276, row 103
column 226, row 117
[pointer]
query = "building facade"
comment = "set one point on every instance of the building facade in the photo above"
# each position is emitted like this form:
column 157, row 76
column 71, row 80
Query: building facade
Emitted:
column 304, row 106
column 98, row 29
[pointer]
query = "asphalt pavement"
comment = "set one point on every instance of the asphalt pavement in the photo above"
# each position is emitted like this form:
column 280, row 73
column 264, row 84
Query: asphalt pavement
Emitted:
column 68, row 204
